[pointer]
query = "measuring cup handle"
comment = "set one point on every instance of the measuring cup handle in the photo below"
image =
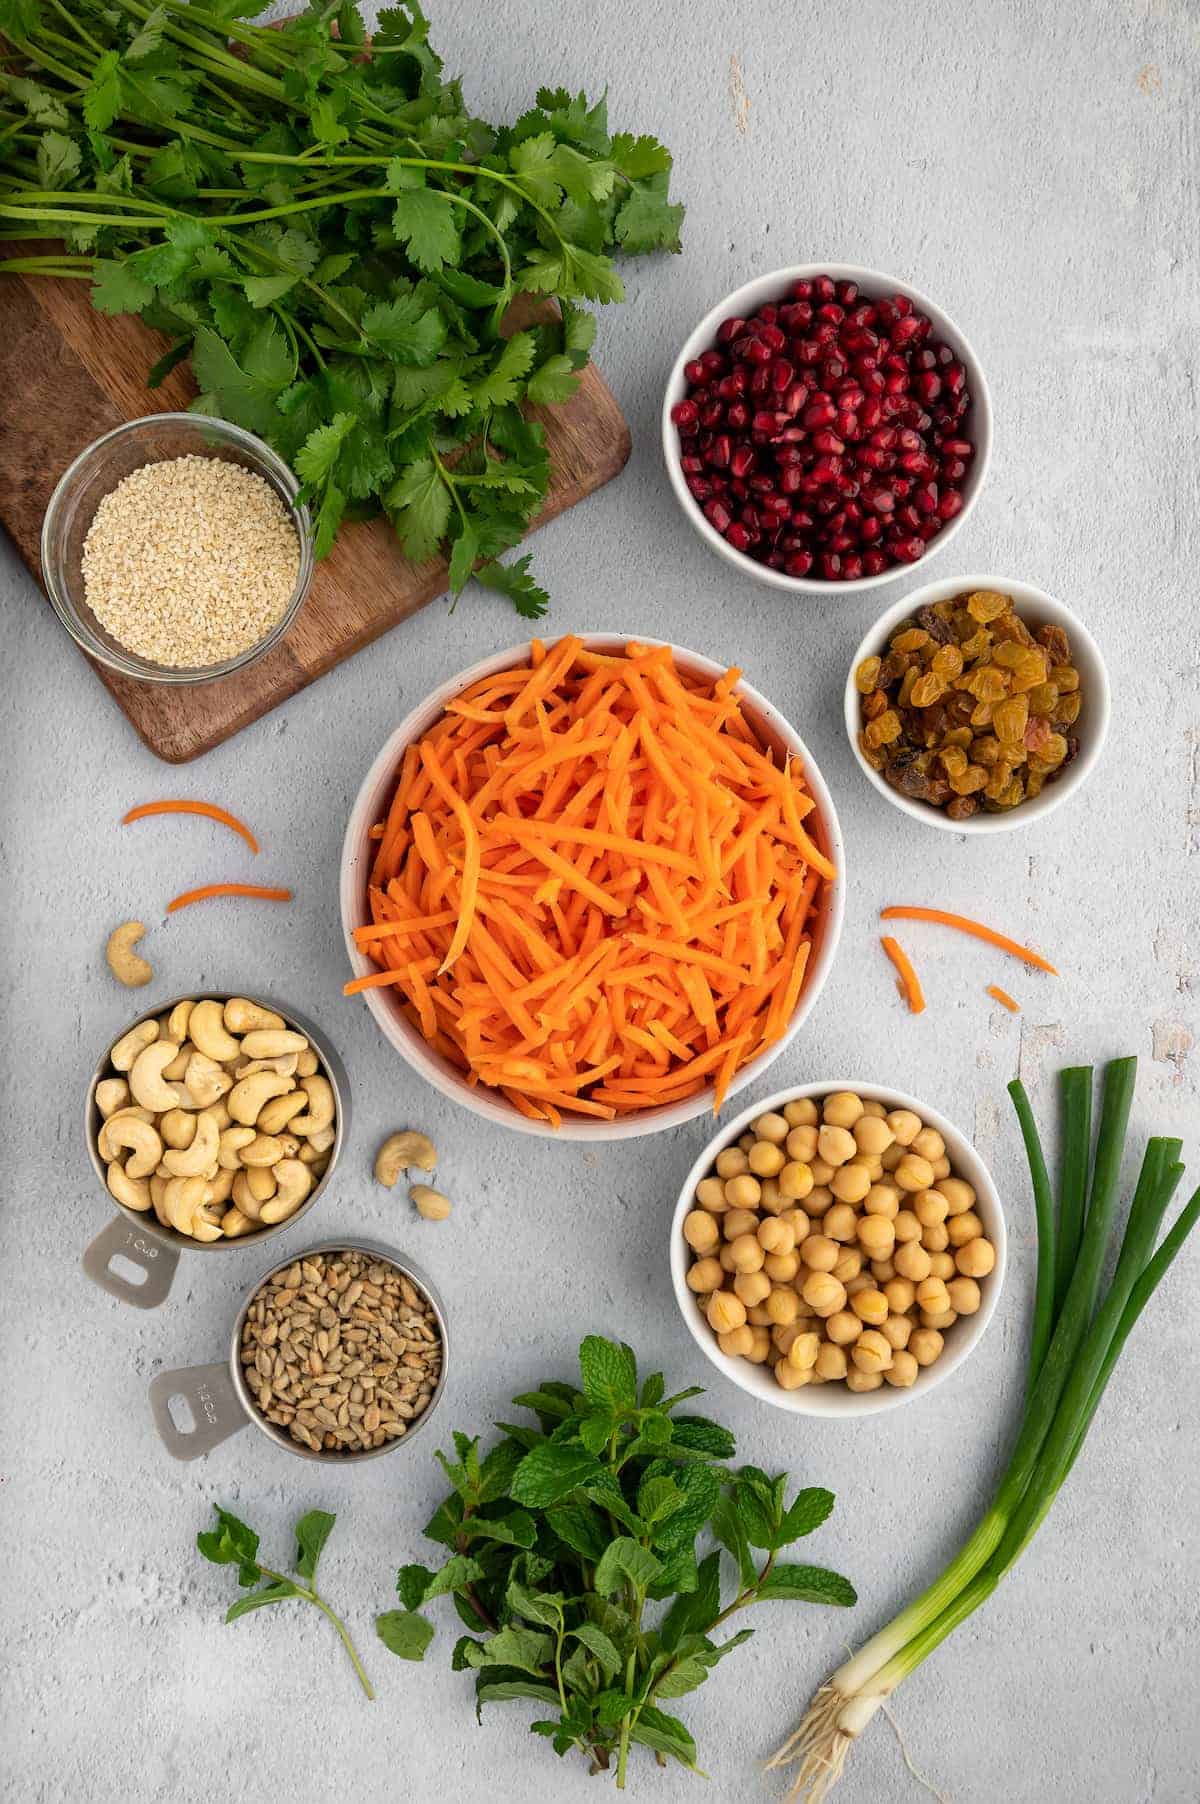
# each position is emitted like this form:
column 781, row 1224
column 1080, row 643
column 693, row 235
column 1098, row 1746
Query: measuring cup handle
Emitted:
column 215, row 1409
column 153, row 1257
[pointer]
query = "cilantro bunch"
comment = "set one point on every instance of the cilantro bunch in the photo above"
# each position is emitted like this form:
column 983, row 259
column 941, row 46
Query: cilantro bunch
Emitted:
column 336, row 243
column 562, row 1537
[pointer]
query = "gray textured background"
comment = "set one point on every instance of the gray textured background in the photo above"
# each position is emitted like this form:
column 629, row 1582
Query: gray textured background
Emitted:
column 1034, row 169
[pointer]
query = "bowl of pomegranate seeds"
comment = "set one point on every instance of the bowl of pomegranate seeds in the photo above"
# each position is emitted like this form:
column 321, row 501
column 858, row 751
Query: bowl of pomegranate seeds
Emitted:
column 825, row 427
column 977, row 704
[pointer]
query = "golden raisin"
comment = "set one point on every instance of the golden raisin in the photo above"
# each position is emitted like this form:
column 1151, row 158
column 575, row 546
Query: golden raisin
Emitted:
column 969, row 781
column 927, row 689
column 1010, row 716
column 911, row 640
column 910, row 679
column 985, row 750
column 1043, row 698
column 871, row 753
column 1067, row 711
column 884, row 729
column 986, row 604
column 1058, row 646
column 867, row 675
column 1030, row 671
column 873, row 704
column 954, row 760
column 976, row 645
column 947, row 661
column 987, row 683
column 1066, row 677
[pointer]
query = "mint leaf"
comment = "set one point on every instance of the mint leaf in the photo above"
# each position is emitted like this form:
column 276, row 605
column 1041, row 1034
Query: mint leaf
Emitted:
column 599, row 1644
column 231, row 1543
column 404, row 1633
column 455, row 1575
column 807, row 1511
column 549, row 1472
column 514, row 1530
column 412, row 1583
column 808, row 1584
column 312, row 1532
column 275, row 1593
column 666, row 1735
column 727, row 1527
column 526, row 1649
column 624, row 1559
column 704, row 1436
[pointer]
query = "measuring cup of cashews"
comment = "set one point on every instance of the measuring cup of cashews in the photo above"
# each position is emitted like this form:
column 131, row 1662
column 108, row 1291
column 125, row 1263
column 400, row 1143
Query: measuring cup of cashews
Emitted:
column 212, row 1122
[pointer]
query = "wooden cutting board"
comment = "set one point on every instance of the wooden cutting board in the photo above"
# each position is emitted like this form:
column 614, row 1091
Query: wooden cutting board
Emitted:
column 68, row 374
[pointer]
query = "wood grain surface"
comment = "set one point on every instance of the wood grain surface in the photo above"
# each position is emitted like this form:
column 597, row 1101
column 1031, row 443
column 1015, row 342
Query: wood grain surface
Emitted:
column 69, row 373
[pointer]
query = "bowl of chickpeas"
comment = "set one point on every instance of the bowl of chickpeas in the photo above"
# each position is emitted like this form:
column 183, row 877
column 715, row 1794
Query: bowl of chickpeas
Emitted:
column 838, row 1249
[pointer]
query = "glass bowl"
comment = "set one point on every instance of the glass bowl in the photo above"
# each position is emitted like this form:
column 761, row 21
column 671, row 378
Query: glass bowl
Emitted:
column 97, row 471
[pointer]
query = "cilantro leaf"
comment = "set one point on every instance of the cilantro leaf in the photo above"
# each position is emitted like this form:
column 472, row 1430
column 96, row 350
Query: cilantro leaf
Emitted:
column 423, row 219
column 405, row 330
column 117, row 288
column 514, row 580
column 419, row 502
column 553, row 381
column 58, row 160
column 648, row 221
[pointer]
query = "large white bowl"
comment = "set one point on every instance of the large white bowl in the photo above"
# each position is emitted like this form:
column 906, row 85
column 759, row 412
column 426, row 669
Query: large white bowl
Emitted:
column 358, row 851
column 1036, row 608
column 834, row 1399
column 774, row 287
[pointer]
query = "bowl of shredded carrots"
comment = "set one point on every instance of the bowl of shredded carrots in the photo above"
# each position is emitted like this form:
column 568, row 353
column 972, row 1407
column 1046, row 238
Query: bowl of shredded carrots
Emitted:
column 592, row 888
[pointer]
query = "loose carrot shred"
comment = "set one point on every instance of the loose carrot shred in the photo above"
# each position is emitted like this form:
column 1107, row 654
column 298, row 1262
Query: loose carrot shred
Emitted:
column 909, row 983
column 209, row 810
column 592, row 891
column 1004, row 999
column 227, row 889
column 976, row 929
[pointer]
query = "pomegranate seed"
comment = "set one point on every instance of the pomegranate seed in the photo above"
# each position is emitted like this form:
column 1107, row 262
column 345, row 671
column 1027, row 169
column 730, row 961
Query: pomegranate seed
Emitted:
column 773, row 338
column 790, row 480
column 712, row 362
column 795, row 398
column 908, row 517
column 796, row 316
column 802, row 290
column 953, row 469
column 692, row 465
column 955, row 378
column 737, row 536
column 718, row 514
column 825, row 440
column 871, row 529
column 874, row 382
column 882, row 500
column 737, row 417
column 875, row 563
column 831, row 312
column 831, row 566
column 925, row 498
column 832, row 372
column 799, row 563
column 720, row 451
column 907, row 550
column 782, row 375
column 852, row 568
column 819, row 413
column 768, row 314
column 760, row 380
column 950, row 502
column 777, row 504
column 847, row 423
column 839, row 541
column 901, row 486
column 823, row 288
column 741, row 461
column 930, row 527
column 826, row 467
column 958, row 447
column 870, row 457
column 700, row 487
column 928, row 385
column 917, row 463
column 738, row 488
column 685, row 413
column 695, row 374
column 711, row 414
column 869, row 414
column 730, row 329
column 847, row 293
column 825, row 335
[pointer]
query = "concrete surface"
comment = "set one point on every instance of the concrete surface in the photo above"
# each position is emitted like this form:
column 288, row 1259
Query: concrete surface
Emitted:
column 1034, row 169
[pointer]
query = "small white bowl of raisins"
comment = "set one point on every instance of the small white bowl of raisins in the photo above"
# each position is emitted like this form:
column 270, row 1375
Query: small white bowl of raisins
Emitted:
column 977, row 704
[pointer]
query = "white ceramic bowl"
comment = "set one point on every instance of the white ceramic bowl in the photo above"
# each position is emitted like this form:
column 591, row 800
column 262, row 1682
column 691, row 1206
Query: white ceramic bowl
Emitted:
column 1036, row 608
column 774, row 287
column 358, row 853
column 833, row 1399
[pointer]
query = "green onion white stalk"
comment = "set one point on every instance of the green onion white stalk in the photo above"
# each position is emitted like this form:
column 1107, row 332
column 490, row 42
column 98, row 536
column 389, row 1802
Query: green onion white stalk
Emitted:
column 1076, row 1342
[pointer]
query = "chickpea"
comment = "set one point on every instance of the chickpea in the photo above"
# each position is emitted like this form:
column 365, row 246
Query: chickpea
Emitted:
column 781, row 1268
column 737, row 1343
column 864, row 1281
column 876, row 1236
column 863, row 1381
column 766, row 1159
column 756, row 1314
column 958, row 1194
column 874, row 1108
column 914, row 1173
column 936, row 1240
column 932, row 1295
column 821, row 1170
column 788, row 1378
column 851, row 1182
column 748, row 1256
column 964, row 1227
column 705, row 1276
column 871, row 1352
column 870, row 1306
column 803, row 1351
column 941, row 1265
column 746, row 1141
column 903, row 1370
column 905, row 1125
column 752, row 1288
column 801, row 1113
column 882, row 1199
column 771, row 1127
column 938, row 1318
column 784, row 1333
column 929, row 1144
column 743, row 1191
column 901, row 1294
column 843, row 1328
column 835, row 1144
column 701, row 1231
column 912, row 1261
column 818, row 1199
column 871, row 1164
column 906, row 1226
column 831, row 1362
column 710, row 1194
column 849, row 1265
column 760, row 1347
column 823, row 1293
column 872, row 1136
column 775, row 1236
column 795, row 1180
column 930, row 1208
column 731, row 1162
column 802, row 1144
column 976, row 1259
column 771, row 1197
column 843, row 1108
column 783, row 1306
column 896, row 1331
column 883, row 1270
column 725, row 1312
column 840, row 1223
column 925, row 1345
column 799, row 1223
column 965, row 1296
column 739, row 1221
column 819, row 1253
column 891, row 1156
column 941, row 1168
column 726, row 1257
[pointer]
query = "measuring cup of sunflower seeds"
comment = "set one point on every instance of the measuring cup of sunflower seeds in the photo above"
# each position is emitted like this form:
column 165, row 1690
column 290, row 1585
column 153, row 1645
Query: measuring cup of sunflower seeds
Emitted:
column 338, row 1353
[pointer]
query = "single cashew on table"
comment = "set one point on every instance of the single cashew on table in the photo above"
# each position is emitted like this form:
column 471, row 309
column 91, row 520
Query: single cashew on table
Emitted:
column 409, row 1151
column 217, row 1117
column 126, row 965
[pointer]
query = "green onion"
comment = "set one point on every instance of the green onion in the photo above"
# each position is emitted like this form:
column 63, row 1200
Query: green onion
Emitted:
column 1074, row 1350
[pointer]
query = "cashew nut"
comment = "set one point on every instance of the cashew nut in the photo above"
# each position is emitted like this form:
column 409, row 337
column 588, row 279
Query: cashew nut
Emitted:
column 234, row 1223
column 220, row 1188
column 264, row 1149
column 245, row 1196
column 129, row 1045
column 177, row 1020
column 133, row 1192
column 106, row 1146
column 250, row 1094
column 278, row 1113
column 293, row 1182
column 285, row 1065
column 145, row 1147
column 321, row 1107
column 205, row 1226
column 260, row 1182
column 112, row 1093
column 220, row 1114
column 307, row 1064
column 206, row 1027
column 430, row 1203
column 205, row 1082
column 232, row 1141
column 401, row 1152
column 177, row 1128
column 146, row 1079
column 158, row 1188
column 242, row 1016
column 272, row 1042
column 194, row 1160
column 182, row 1199
column 127, row 966
column 177, row 1069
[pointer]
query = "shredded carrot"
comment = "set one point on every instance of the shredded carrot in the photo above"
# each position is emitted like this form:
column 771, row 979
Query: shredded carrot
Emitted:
column 1004, row 999
column 975, row 928
column 592, row 891
column 209, row 810
column 227, row 889
column 909, row 984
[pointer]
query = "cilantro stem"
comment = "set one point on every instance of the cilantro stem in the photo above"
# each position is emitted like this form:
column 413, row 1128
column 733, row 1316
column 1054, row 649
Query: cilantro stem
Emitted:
column 313, row 1596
